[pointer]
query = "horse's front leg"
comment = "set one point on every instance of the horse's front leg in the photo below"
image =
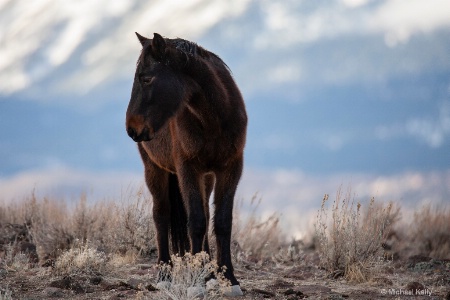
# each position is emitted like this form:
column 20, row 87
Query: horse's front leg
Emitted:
column 157, row 181
column 226, row 184
column 192, row 190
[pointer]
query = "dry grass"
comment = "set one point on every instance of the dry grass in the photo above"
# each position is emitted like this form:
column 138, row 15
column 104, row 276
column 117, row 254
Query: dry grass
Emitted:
column 431, row 231
column 122, row 227
column 350, row 243
column 256, row 239
column 101, row 237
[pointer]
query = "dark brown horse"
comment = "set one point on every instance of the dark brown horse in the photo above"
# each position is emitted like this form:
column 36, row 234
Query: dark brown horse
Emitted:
column 188, row 117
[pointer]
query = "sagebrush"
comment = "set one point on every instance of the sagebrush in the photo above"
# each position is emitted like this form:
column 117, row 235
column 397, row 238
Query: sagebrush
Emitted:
column 186, row 278
column 350, row 243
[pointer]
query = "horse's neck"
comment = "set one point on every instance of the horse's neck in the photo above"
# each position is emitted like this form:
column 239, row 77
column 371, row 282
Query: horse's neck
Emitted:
column 211, row 104
column 205, row 111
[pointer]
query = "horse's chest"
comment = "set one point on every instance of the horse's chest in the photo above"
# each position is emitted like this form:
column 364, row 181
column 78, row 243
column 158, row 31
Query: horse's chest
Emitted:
column 211, row 152
column 160, row 151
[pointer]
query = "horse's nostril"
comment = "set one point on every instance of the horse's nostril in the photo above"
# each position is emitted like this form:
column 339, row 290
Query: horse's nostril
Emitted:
column 131, row 133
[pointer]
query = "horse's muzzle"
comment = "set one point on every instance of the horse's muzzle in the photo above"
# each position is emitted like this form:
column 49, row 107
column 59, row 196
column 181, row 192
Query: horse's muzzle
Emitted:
column 137, row 128
column 139, row 137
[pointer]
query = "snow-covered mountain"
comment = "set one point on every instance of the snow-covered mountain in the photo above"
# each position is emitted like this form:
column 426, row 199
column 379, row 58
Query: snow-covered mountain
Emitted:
column 60, row 48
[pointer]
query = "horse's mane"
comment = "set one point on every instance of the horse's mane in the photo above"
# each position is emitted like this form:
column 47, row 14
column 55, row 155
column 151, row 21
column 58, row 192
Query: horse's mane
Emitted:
column 188, row 47
column 194, row 49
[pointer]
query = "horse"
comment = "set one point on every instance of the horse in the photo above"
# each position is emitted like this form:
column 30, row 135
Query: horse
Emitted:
column 188, row 118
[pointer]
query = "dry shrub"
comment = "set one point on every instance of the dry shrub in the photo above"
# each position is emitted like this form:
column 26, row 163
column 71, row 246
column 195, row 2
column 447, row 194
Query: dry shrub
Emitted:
column 290, row 254
column 48, row 226
column 130, row 225
column 44, row 221
column 14, row 261
column 191, row 271
column 124, row 227
column 431, row 231
column 255, row 239
column 81, row 259
column 350, row 244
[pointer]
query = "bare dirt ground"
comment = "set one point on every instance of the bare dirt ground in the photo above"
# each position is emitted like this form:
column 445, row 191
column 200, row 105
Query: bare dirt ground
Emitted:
column 415, row 277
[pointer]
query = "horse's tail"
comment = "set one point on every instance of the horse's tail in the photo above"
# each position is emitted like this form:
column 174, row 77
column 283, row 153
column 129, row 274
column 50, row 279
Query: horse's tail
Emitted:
column 178, row 218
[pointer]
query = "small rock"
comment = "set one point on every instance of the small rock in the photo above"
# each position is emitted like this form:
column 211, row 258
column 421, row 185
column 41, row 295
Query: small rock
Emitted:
column 163, row 285
column 123, row 295
column 144, row 266
column 314, row 289
column 119, row 285
column 299, row 273
column 335, row 297
column 414, row 259
column 111, row 284
column 280, row 284
column 3, row 272
column 212, row 284
column 95, row 280
column 53, row 292
column 233, row 291
column 67, row 283
column 414, row 285
column 262, row 292
column 293, row 292
column 135, row 283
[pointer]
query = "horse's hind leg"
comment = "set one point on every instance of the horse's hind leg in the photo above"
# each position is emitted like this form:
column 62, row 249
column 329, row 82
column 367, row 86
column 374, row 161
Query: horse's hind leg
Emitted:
column 157, row 181
column 226, row 184
column 209, row 186
column 192, row 189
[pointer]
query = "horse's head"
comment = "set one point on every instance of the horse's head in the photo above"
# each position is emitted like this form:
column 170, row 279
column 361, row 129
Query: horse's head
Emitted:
column 159, row 87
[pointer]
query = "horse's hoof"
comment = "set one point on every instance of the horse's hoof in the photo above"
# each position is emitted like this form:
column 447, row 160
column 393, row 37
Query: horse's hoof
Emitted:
column 233, row 291
column 163, row 285
column 195, row 292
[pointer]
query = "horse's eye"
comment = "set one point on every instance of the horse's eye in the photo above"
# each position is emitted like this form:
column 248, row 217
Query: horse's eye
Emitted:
column 147, row 80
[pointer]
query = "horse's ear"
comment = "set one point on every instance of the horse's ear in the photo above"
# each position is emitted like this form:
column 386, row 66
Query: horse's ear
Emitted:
column 158, row 45
column 141, row 39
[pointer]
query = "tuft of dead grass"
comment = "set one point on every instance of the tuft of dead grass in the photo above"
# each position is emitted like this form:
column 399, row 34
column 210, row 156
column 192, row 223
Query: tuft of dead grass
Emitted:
column 81, row 259
column 350, row 243
column 14, row 261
